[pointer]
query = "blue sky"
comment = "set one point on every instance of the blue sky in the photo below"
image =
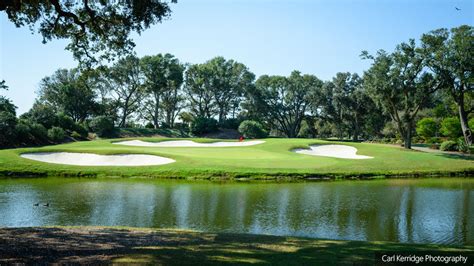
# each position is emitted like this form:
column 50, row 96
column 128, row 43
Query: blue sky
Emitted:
column 269, row 36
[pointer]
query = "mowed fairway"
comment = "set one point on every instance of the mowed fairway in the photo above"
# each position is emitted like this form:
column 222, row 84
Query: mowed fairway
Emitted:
column 274, row 158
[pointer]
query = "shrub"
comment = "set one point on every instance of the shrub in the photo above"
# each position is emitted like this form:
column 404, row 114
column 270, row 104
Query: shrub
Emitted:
column 102, row 125
column 231, row 123
column 306, row 131
column 448, row 146
column 426, row 128
column 470, row 123
column 65, row 122
column 56, row 134
column 39, row 132
column 81, row 130
column 22, row 132
column 252, row 129
column 8, row 122
column 462, row 146
column 76, row 135
column 451, row 127
column 42, row 114
column 202, row 125
column 434, row 140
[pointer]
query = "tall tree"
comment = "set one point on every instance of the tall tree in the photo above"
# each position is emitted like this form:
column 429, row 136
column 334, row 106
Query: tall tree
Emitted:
column 163, row 80
column 96, row 29
column 450, row 55
column 126, row 81
column 400, row 84
column 70, row 92
column 228, row 80
column 283, row 101
column 197, row 89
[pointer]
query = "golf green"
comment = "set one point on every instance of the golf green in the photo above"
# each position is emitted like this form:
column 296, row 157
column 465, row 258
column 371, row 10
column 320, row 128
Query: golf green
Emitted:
column 274, row 158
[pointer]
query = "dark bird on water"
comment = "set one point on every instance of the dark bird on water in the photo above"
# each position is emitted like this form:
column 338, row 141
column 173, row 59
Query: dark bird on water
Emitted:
column 46, row 204
column 36, row 204
column 458, row 9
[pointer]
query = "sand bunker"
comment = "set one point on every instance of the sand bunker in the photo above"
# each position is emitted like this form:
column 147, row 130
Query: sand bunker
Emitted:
column 336, row 151
column 90, row 159
column 188, row 143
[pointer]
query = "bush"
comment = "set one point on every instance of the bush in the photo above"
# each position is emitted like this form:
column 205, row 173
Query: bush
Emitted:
column 202, row 125
column 306, row 131
column 56, row 134
column 231, row 123
column 42, row 114
column 435, row 140
column 252, row 129
column 65, row 122
column 22, row 132
column 451, row 128
column 8, row 122
column 102, row 125
column 449, row 146
column 462, row 146
column 426, row 128
column 39, row 133
column 81, row 130
column 76, row 135
column 470, row 123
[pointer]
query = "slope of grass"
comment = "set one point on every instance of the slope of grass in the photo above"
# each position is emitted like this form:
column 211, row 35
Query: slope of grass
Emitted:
column 272, row 159
column 93, row 245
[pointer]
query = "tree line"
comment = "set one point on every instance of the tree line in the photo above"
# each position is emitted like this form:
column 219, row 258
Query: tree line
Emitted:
column 392, row 100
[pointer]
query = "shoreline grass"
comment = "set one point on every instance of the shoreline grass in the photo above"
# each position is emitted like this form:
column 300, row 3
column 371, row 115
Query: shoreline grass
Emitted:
column 99, row 244
column 272, row 160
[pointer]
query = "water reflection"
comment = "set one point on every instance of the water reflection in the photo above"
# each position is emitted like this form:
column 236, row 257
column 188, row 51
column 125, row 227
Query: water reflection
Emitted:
column 420, row 211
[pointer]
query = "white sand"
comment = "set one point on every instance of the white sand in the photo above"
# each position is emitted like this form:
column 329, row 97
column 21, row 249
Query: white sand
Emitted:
column 90, row 159
column 188, row 143
column 336, row 151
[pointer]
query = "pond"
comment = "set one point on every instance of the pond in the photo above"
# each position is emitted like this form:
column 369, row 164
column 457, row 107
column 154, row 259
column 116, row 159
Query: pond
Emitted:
column 438, row 210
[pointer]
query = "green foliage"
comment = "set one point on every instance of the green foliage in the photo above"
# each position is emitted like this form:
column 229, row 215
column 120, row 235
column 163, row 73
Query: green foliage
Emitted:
column 56, row 134
column 76, row 135
column 103, row 126
column 230, row 123
column 462, row 146
column 80, row 129
column 283, row 102
column 39, row 133
column 252, row 130
column 449, row 145
column 42, row 114
column 65, row 122
column 451, row 127
column 69, row 92
column 399, row 83
column 426, row 128
column 163, row 80
column 8, row 122
column 471, row 123
column 306, row 130
column 6, row 105
column 201, row 125
column 97, row 30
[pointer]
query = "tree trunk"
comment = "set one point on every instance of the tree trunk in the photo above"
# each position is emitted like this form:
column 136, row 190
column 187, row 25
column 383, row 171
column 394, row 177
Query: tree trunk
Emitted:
column 407, row 137
column 156, row 111
column 466, row 131
column 355, row 136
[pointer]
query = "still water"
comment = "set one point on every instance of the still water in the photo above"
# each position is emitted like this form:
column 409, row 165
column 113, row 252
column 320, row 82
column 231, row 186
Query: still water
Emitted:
column 402, row 210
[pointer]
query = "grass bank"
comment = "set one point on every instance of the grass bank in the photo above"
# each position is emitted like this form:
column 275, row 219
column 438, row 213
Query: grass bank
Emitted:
column 270, row 160
column 91, row 245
